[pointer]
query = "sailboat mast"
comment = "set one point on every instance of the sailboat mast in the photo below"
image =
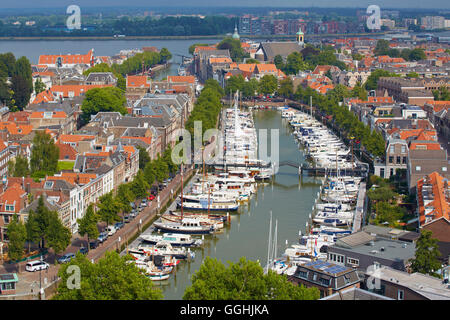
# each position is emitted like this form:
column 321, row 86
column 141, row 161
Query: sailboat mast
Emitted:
column 270, row 240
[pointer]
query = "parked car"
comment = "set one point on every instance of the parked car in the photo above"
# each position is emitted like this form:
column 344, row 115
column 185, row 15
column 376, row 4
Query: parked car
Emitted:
column 133, row 205
column 110, row 230
column 133, row 214
column 126, row 218
column 102, row 237
column 83, row 250
column 144, row 203
column 118, row 225
column 93, row 244
column 36, row 265
column 66, row 258
column 151, row 197
column 161, row 187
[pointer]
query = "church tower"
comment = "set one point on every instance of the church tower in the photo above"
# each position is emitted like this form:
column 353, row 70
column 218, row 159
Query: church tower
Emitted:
column 236, row 34
column 300, row 37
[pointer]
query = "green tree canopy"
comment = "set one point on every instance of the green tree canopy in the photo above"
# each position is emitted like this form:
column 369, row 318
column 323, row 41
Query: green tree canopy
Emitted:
column 427, row 255
column 244, row 280
column 87, row 225
column 103, row 99
column 234, row 46
column 109, row 207
column 17, row 235
column 268, row 84
column 286, row 88
column 112, row 278
column 44, row 154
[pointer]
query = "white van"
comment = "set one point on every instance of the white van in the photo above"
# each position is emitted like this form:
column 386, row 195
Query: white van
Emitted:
column 36, row 265
column 110, row 230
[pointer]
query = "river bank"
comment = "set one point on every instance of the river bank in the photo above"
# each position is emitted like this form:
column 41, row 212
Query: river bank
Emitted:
column 194, row 37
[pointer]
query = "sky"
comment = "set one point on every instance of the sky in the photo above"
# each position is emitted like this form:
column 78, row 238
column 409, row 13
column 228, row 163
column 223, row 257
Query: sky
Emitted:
column 416, row 4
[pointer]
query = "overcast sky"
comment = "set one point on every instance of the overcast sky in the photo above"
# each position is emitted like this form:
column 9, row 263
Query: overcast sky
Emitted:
column 430, row 4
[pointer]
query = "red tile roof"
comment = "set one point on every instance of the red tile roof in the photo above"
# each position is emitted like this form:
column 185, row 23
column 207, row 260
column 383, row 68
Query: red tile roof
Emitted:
column 439, row 206
column 67, row 59
column 188, row 79
column 138, row 82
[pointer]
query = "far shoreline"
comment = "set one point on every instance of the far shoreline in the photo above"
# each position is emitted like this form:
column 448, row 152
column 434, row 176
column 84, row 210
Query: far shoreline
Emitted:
column 131, row 38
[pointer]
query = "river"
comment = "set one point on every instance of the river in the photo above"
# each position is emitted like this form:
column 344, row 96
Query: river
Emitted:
column 289, row 198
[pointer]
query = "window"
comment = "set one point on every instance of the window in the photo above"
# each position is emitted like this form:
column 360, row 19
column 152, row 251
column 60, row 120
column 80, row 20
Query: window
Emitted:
column 9, row 286
column 352, row 261
column 325, row 282
column 315, row 277
column 391, row 159
column 6, row 219
column 400, row 295
column 303, row 274
column 444, row 169
column 404, row 160
column 418, row 168
column 398, row 159
column 403, row 149
column 392, row 149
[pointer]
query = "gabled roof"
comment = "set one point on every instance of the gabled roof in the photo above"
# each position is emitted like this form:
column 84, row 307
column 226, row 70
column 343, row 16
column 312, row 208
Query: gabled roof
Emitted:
column 188, row 79
column 138, row 82
column 67, row 59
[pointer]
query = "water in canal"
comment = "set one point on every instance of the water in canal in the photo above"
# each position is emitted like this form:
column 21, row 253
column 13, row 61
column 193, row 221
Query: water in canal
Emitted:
column 289, row 198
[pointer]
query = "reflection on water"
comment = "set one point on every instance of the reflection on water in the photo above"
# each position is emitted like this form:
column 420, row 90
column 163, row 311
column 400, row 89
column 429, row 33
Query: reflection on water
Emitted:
column 288, row 197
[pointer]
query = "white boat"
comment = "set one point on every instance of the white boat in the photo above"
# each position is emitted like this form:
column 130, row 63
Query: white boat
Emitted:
column 164, row 248
column 175, row 239
column 186, row 226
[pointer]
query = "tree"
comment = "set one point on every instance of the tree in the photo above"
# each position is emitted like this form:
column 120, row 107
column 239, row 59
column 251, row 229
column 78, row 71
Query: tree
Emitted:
column 125, row 195
column 87, row 225
column 39, row 86
column 250, row 88
column 109, row 208
column 44, row 154
column 426, row 258
column 150, row 173
column 103, row 99
column 22, row 82
column 417, row 54
column 57, row 235
column 244, row 280
column 295, row 63
column 234, row 83
column 359, row 92
column 19, row 167
column 286, row 88
column 112, row 278
column 278, row 61
column 21, row 91
column 268, row 84
column 372, row 80
column 144, row 158
column 382, row 47
column 32, row 228
column 139, row 186
column 165, row 55
column 234, row 46
column 17, row 235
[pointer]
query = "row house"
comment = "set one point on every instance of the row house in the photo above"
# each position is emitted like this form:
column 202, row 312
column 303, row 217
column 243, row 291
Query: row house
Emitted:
column 59, row 119
column 67, row 60
column 350, row 78
column 433, row 210
column 12, row 200
column 101, row 78
column 425, row 157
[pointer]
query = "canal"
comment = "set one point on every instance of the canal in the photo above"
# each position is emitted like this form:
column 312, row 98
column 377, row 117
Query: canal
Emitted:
column 289, row 198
